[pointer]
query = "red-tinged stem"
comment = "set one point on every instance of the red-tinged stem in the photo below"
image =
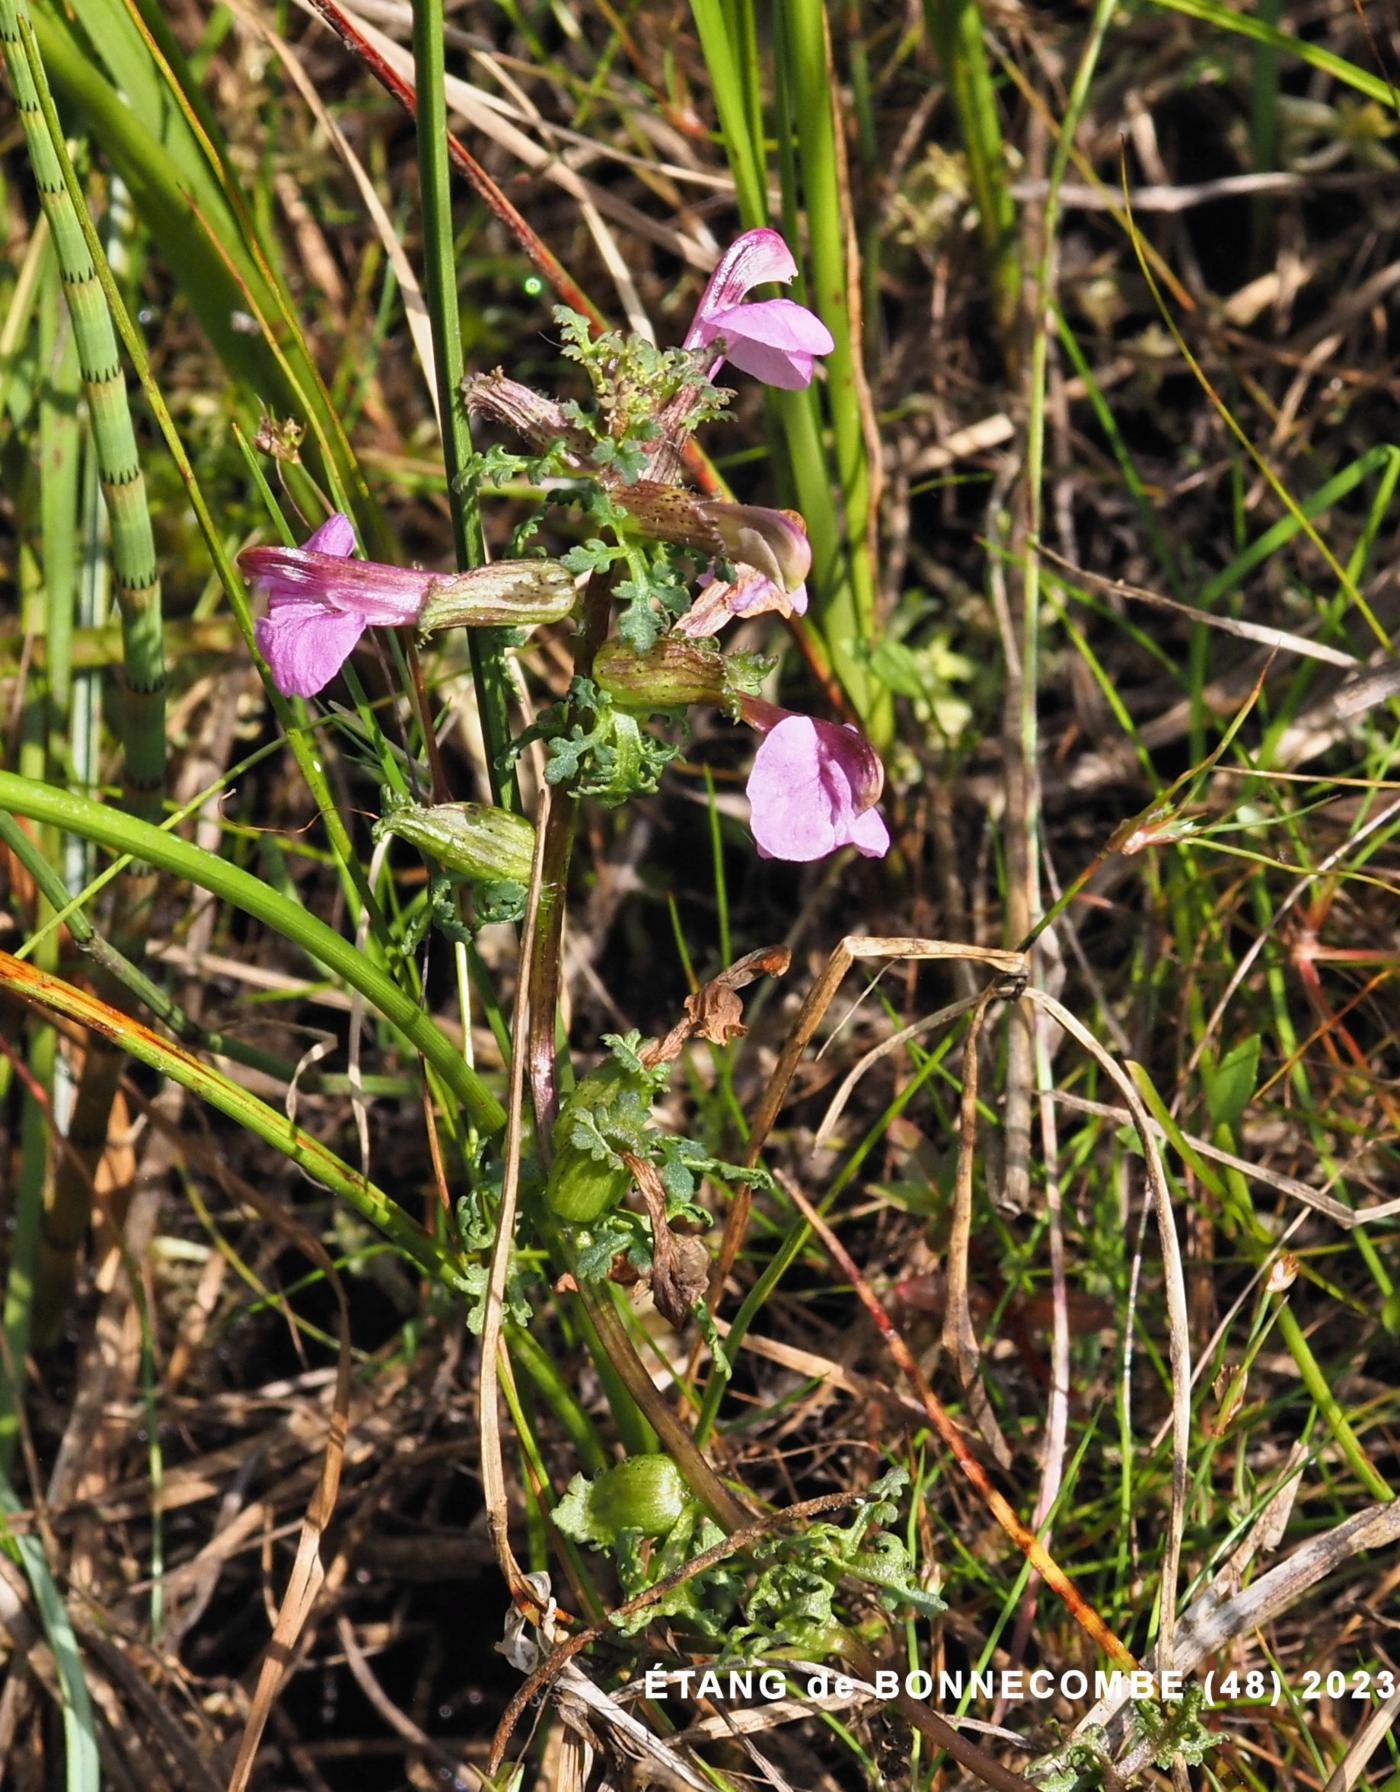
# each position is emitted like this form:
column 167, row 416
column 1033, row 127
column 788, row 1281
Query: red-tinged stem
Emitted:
column 1025, row 1540
column 546, row 963
column 401, row 89
column 539, row 253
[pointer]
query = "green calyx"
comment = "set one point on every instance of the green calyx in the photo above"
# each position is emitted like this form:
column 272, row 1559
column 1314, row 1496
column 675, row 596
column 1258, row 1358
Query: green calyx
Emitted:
column 676, row 672
column 608, row 1113
column 644, row 1494
column 475, row 840
column 506, row 594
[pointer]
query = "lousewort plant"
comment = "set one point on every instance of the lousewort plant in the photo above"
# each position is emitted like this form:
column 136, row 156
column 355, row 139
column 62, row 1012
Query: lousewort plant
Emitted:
column 655, row 570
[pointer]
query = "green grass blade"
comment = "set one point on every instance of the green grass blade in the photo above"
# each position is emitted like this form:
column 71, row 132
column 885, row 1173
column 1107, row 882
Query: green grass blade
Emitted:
column 267, row 1123
column 81, row 1771
column 291, row 718
column 189, row 205
column 125, row 834
column 1243, row 24
column 731, row 95
column 955, row 26
column 486, row 646
column 848, row 613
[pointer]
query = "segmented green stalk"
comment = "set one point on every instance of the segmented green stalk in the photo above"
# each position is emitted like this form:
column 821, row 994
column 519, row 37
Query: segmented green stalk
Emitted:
column 137, row 583
column 849, row 609
column 133, row 548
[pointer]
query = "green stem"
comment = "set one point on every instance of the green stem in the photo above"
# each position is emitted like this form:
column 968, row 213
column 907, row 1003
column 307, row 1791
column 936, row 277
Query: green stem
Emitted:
column 486, row 646
column 298, row 737
column 955, row 26
column 850, row 616
column 544, row 1372
column 124, row 833
column 130, row 1038
column 133, row 545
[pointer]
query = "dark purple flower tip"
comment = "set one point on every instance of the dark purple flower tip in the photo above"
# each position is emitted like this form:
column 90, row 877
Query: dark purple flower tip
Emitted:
column 773, row 541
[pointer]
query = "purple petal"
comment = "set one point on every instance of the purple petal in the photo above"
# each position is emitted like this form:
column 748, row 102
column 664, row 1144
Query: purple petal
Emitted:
column 775, row 323
column 749, row 261
column 336, row 536
column 753, row 590
column 772, row 339
column 771, row 541
column 305, row 644
column 812, row 789
column 869, row 835
column 390, row 596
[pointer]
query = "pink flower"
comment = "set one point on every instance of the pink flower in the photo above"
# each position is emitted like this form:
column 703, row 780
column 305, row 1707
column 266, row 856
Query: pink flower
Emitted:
column 320, row 601
column 772, row 558
column 775, row 340
column 751, row 594
column 813, row 787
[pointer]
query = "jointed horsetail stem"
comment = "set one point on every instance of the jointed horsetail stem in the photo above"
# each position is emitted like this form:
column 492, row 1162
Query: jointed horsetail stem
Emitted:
column 137, row 583
column 133, row 547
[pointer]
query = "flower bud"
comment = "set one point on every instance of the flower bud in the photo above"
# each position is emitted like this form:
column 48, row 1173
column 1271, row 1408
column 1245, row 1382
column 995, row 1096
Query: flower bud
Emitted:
column 580, row 1188
column 670, row 675
column 506, row 594
column 485, row 844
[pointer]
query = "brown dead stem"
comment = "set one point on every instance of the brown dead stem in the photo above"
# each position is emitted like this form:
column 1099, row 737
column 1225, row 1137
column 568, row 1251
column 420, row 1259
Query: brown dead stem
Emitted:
column 959, row 1334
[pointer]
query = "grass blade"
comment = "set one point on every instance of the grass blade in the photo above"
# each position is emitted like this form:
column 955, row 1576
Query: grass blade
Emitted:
column 81, row 1762
column 125, row 834
column 440, row 288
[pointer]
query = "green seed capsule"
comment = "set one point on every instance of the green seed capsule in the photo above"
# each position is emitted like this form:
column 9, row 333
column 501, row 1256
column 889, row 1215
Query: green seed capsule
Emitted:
column 581, row 1186
column 642, row 1493
column 482, row 842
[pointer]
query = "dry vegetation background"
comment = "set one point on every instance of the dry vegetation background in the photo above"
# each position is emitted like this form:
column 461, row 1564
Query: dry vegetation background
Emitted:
column 1217, row 523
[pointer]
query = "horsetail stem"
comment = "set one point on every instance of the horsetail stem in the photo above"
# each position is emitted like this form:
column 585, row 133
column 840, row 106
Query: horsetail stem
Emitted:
column 132, row 544
column 137, row 581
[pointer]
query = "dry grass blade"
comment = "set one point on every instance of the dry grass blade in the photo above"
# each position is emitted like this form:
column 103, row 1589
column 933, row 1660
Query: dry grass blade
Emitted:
column 848, row 1084
column 1224, row 1611
column 1320, row 1202
column 483, row 116
column 1178, row 1321
column 855, row 946
column 415, row 310
column 1364, row 1744
column 1228, row 625
column 399, row 1721
column 308, row 1571
column 738, row 1539
column 384, row 71
column 1247, row 958
column 943, row 1423
column 493, row 1473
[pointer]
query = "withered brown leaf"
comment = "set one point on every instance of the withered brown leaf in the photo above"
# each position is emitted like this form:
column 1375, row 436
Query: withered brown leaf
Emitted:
column 680, row 1266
